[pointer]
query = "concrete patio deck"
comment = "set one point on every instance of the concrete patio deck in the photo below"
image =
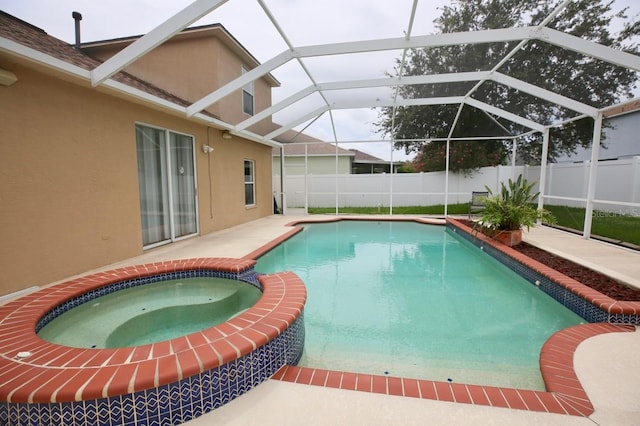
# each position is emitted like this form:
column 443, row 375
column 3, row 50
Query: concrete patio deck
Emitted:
column 608, row 366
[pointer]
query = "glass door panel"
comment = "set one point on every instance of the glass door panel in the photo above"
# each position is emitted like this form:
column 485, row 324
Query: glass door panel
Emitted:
column 152, row 181
column 166, row 178
column 183, row 190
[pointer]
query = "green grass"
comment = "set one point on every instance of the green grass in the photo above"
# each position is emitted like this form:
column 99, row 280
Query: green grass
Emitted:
column 613, row 224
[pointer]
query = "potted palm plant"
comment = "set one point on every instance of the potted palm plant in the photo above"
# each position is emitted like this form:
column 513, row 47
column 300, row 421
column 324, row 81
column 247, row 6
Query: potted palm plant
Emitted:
column 512, row 209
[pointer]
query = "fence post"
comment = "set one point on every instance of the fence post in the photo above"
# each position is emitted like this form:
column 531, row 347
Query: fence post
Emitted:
column 593, row 170
column 585, row 178
column 635, row 177
column 543, row 167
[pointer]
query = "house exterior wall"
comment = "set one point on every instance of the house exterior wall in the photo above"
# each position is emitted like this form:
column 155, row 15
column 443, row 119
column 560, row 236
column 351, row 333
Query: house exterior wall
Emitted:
column 68, row 178
column 191, row 68
column 622, row 140
column 316, row 165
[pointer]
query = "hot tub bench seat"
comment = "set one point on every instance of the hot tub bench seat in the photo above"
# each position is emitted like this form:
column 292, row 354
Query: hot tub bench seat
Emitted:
column 166, row 382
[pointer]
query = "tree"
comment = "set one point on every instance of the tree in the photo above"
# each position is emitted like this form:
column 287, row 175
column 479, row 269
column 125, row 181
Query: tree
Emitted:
column 588, row 80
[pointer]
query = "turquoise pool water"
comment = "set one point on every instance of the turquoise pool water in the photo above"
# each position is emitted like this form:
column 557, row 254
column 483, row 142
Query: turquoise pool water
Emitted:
column 151, row 313
column 413, row 300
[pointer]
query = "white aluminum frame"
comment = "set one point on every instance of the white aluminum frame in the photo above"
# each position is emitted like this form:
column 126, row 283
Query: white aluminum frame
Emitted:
column 100, row 76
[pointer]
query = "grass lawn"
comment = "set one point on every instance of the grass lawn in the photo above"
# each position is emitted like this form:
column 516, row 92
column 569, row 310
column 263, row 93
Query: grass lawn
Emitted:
column 610, row 224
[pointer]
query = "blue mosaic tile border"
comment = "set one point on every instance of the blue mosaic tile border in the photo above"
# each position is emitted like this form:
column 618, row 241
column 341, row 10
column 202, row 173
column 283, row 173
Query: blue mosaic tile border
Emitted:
column 570, row 300
column 249, row 276
column 174, row 403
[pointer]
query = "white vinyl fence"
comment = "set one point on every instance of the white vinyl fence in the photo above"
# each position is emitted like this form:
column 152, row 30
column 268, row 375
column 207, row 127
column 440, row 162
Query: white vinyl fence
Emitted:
column 617, row 187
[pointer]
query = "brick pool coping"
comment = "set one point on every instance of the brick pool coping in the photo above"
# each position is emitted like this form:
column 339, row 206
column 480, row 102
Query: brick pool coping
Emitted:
column 57, row 374
column 564, row 394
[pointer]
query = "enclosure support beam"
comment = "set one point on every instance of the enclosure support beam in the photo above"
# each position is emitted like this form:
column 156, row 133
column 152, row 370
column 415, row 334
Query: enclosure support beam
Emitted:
column 593, row 170
column 306, row 178
column 514, row 147
column 543, row 167
column 447, row 159
column 283, row 197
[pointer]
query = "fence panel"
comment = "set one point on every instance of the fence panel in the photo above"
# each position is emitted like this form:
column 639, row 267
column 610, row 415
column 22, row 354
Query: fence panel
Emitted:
column 618, row 181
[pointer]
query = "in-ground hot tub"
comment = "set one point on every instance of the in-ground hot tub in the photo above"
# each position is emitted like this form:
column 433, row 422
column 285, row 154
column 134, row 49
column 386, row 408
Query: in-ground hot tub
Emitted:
column 168, row 381
column 151, row 313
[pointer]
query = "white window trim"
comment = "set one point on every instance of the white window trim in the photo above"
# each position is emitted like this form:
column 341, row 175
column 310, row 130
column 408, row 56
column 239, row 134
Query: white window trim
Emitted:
column 248, row 88
column 252, row 181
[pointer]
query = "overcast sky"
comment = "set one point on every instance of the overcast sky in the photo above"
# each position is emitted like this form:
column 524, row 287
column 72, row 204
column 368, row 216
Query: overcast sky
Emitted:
column 304, row 22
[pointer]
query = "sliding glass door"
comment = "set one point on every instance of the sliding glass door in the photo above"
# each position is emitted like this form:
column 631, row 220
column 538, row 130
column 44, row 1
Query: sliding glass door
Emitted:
column 166, row 177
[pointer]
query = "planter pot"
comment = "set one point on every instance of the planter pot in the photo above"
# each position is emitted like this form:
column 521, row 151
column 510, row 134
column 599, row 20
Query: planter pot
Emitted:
column 509, row 238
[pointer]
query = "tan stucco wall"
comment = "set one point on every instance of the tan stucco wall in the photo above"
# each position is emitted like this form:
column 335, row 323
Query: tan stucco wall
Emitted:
column 68, row 178
column 191, row 68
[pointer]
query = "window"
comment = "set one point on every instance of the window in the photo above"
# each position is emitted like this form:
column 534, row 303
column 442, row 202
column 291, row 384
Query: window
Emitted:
column 247, row 96
column 166, row 178
column 249, row 183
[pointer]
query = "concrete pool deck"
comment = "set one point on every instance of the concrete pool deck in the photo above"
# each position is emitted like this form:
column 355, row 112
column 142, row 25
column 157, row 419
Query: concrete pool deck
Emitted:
column 605, row 364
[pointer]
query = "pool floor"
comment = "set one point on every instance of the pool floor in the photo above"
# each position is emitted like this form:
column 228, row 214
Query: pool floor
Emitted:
column 564, row 394
column 413, row 300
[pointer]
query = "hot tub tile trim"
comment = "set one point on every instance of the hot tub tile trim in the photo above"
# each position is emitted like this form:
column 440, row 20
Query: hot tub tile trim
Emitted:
column 180, row 367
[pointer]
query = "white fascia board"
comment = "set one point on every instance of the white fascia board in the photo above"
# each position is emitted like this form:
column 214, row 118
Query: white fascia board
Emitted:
column 544, row 94
column 276, row 107
column 154, row 38
column 299, row 120
column 433, row 40
column 504, row 114
column 32, row 55
column 588, row 48
column 139, row 94
column 237, row 84
column 214, row 121
column 257, row 138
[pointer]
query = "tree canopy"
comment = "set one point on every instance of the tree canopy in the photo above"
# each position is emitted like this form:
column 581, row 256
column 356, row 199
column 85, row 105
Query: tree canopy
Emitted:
column 588, row 80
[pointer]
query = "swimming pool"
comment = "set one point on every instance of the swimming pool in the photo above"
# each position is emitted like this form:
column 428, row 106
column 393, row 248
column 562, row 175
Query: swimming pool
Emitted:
column 413, row 300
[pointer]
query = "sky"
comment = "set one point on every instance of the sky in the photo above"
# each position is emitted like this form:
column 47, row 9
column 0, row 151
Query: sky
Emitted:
column 304, row 22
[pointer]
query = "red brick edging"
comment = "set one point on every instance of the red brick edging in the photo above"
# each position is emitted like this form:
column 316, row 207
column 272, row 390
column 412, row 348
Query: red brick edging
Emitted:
column 564, row 395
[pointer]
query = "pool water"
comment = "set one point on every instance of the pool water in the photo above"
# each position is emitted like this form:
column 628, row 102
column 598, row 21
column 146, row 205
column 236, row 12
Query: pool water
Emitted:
column 414, row 300
column 151, row 313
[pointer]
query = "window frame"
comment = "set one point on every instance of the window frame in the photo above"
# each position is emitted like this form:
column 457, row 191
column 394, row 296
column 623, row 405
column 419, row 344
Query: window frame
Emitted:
column 251, row 182
column 248, row 90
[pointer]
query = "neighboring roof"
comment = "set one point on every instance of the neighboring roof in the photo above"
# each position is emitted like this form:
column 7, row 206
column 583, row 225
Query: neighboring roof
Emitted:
column 35, row 38
column 623, row 109
column 293, row 136
column 294, row 142
column 363, row 157
column 215, row 30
